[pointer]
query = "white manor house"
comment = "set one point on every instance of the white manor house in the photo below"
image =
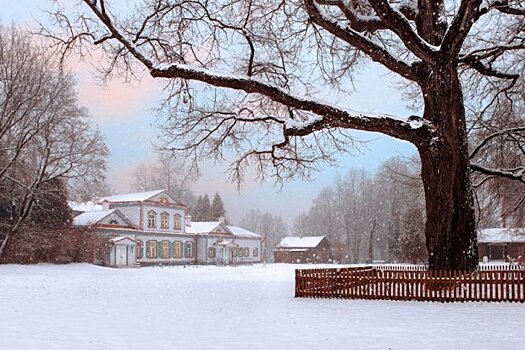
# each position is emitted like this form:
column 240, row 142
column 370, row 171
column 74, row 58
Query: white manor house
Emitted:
column 152, row 228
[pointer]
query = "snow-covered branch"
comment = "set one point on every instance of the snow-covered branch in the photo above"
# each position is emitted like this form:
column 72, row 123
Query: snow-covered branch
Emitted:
column 354, row 38
column 399, row 24
column 358, row 22
column 490, row 137
column 460, row 27
column 517, row 174
column 506, row 6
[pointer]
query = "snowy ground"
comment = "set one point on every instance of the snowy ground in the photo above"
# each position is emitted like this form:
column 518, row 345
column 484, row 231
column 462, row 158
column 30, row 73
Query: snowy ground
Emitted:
column 82, row 306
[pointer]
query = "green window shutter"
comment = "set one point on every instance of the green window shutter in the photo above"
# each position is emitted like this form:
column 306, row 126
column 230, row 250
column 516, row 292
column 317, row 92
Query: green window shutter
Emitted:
column 159, row 249
column 187, row 250
column 171, row 249
column 147, row 249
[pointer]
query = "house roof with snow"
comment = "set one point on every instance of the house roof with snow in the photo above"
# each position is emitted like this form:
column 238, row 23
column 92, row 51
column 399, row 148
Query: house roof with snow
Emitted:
column 162, row 196
column 121, row 239
column 131, row 197
column 501, row 235
column 84, row 206
column 226, row 243
column 109, row 217
column 241, row 232
column 206, row 227
column 218, row 227
column 91, row 217
column 300, row 242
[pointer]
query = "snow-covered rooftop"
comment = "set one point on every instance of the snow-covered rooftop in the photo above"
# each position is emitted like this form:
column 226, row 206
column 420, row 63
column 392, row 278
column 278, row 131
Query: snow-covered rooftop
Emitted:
column 84, row 206
column 496, row 235
column 91, row 217
column 202, row 226
column 226, row 243
column 241, row 232
column 131, row 197
column 121, row 238
column 300, row 242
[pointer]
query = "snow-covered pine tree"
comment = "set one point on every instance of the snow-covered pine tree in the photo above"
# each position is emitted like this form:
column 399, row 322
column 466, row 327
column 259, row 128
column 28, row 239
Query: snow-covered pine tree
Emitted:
column 217, row 208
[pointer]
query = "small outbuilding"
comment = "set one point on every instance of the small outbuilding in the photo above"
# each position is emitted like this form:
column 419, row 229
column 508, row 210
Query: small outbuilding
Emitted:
column 501, row 243
column 122, row 252
column 313, row 249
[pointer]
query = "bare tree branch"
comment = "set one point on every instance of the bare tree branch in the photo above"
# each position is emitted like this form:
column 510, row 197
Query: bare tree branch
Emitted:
column 517, row 174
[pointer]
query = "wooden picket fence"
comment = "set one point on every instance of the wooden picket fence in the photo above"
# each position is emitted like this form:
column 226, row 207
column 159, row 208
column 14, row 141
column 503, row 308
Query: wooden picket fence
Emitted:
column 490, row 283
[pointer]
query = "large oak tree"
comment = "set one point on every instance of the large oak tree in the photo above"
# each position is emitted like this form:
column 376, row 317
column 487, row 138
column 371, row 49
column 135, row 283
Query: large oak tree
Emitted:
column 266, row 64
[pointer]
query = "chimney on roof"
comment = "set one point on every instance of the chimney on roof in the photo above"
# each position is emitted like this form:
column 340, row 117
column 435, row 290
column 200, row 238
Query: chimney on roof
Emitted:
column 187, row 220
column 105, row 204
column 221, row 219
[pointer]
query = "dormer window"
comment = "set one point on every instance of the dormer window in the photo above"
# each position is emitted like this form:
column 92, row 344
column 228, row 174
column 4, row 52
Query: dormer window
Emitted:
column 177, row 222
column 163, row 200
column 164, row 220
column 152, row 219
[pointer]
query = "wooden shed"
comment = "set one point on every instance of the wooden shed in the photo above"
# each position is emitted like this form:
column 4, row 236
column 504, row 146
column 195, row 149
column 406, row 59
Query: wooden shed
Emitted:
column 313, row 249
column 501, row 243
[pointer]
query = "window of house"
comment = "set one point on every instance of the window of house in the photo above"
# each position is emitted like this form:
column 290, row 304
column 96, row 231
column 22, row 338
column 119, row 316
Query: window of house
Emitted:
column 165, row 252
column 164, row 200
column 177, row 222
column 140, row 249
column 188, row 251
column 234, row 252
column 246, row 252
column 177, row 249
column 211, row 253
column 255, row 252
column 164, row 220
column 152, row 249
column 152, row 219
column 113, row 222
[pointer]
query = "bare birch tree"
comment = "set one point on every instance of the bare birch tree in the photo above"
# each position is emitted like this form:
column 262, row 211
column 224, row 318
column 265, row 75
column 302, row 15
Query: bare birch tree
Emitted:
column 170, row 173
column 259, row 68
column 271, row 227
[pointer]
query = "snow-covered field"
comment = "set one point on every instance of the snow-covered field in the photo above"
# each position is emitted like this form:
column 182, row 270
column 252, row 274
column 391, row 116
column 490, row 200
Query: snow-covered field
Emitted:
column 82, row 306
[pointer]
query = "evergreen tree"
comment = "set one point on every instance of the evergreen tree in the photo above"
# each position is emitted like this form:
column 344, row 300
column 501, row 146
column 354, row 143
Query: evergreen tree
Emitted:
column 217, row 208
column 206, row 208
column 202, row 211
column 197, row 210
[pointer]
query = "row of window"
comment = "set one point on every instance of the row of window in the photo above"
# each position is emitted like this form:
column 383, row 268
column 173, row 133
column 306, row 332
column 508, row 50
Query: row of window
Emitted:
column 236, row 252
column 164, row 220
column 164, row 249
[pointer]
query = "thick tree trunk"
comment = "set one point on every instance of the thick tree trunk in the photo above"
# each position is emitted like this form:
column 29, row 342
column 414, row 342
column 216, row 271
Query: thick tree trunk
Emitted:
column 451, row 238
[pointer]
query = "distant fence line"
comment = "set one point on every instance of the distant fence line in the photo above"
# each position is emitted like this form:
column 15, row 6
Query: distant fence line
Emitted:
column 491, row 283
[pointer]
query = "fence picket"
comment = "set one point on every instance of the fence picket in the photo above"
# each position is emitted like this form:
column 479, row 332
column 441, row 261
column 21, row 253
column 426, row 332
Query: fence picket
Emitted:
column 413, row 283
